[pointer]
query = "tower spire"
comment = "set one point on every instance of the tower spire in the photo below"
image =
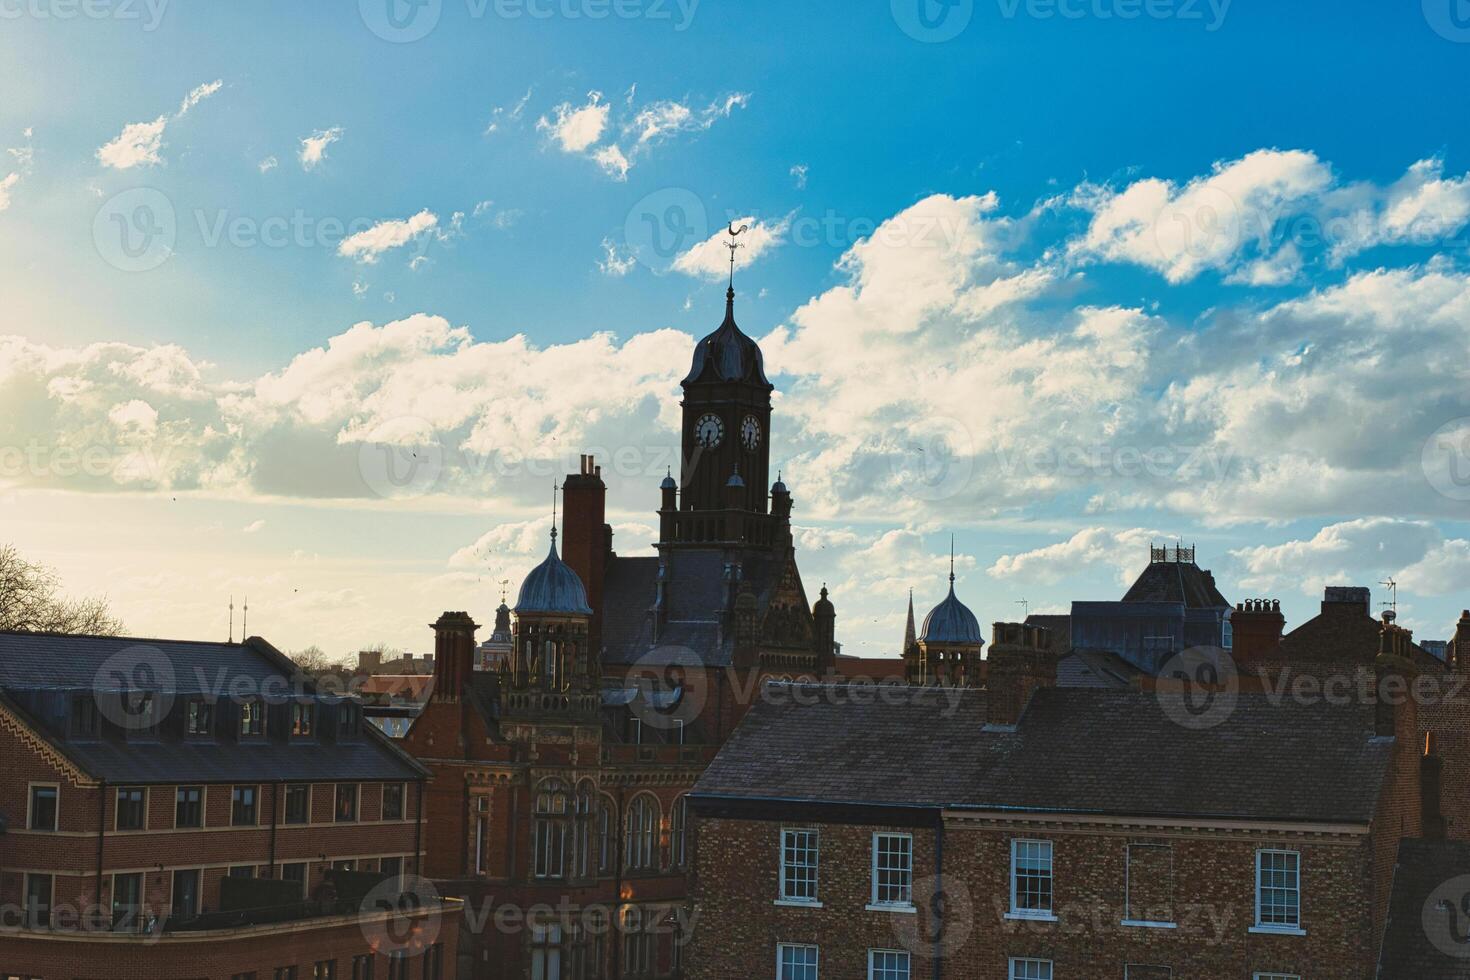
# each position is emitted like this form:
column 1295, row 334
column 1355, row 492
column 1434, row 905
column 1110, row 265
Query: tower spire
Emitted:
column 553, row 513
column 910, row 635
column 951, row 563
column 732, row 245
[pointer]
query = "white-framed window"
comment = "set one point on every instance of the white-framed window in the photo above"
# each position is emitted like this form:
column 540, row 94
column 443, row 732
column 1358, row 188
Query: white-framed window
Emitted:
column 1031, row 878
column 1278, row 889
column 888, row 964
column 552, row 803
column 641, row 834
column 799, row 856
column 1029, row 969
column 796, row 962
column 893, row 870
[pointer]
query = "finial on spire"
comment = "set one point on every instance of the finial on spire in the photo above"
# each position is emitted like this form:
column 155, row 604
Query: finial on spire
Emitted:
column 951, row 561
column 732, row 245
column 553, row 512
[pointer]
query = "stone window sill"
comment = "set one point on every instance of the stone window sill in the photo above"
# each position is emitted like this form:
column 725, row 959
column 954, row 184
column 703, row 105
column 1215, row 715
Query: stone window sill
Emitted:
column 1148, row 924
column 891, row 907
column 1277, row 931
column 792, row 903
column 1026, row 916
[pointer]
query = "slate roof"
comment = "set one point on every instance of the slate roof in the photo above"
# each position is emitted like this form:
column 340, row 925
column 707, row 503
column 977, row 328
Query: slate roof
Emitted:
column 1426, row 872
column 1345, row 633
column 1176, row 581
column 41, row 672
column 1096, row 669
column 1081, row 751
column 695, row 594
column 552, row 587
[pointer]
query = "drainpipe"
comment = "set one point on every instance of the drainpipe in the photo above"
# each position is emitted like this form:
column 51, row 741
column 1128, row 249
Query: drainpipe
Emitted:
column 275, row 802
column 101, row 834
column 617, row 932
column 937, row 903
column 418, row 833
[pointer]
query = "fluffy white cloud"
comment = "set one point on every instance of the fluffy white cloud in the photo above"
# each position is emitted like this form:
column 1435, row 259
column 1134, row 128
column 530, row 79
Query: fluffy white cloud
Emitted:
column 582, row 129
column 314, row 147
column 140, row 144
column 1360, row 552
column 23, row 156
column 368, row 244
column 1421, row 208
column 576, row 128
column 711, row 257
column 1206, row 223
column 7, row 184
column 1123, row 551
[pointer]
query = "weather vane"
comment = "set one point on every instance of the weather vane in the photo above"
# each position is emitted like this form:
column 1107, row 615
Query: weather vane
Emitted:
column 732, row 245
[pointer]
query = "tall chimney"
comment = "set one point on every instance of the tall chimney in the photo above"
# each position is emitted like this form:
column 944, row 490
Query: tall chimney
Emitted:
column 454, row 654
column 586, row 540
column 1459, row 652
column 1255, row 627
column 1019, row 662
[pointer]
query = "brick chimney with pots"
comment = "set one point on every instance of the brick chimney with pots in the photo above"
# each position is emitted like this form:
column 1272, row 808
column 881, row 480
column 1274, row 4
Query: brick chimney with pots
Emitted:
column 1256, row 626
column 586, row 540
column 1019, row 661
column 1458, row 655
column 454, row 654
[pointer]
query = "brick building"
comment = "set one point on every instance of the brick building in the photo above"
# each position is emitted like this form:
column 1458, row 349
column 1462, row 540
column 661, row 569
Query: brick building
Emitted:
column 557, row 807
column 1033, row 832
column 145, row 779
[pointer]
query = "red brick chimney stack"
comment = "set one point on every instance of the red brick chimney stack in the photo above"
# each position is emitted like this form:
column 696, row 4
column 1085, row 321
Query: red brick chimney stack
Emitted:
column 1256, row 626
column 454, row 654
column 586, row 540
column 1459, row 652
column 1019, row 661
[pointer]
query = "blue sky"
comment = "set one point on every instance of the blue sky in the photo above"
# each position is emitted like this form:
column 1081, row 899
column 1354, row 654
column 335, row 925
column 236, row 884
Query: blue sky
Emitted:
column 1306, row 333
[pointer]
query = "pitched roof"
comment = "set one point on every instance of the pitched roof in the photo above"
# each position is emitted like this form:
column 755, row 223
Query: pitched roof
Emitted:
column 41, row 672
column 1082, row 751
column 1176, row 581
column 1419, row 941
column 1344, row 633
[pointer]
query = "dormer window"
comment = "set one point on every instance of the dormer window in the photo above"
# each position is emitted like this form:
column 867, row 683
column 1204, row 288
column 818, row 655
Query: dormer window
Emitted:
column 85, row 718
column 252, row 719
column 199, row 718
column 346, row 720
column 140, row 714
column 303, row 714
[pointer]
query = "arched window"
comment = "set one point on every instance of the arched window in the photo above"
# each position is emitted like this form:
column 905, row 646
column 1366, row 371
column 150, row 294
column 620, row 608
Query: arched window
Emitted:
column 679, row 833
column 640, row 834
column 607, row 835
column 585, row 808
column 553, row 801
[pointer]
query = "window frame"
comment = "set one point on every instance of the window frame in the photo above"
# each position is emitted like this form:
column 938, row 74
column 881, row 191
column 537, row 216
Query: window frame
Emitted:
column 84, row 708
column 874, row 904
column 302, row 720
column 305, row 867
column 816, row 965
column 679, row 833
column 402, row 802
column 874, row 951
column 305, row 810
column 640, row 843
column 783, row 895
column 356, row 816
column 200, row 803
column 1014, row 961
column 235, row 805
column 55, row 807
column 251, row 723
column 1293, row 928
column 117, row 809
column 1044, row 915
column 173, row 891
column 206, row 713
column 27, row 909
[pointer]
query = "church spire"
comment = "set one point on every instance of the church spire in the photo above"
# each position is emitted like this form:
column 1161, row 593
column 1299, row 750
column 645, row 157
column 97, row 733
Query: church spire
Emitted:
column 910, row 635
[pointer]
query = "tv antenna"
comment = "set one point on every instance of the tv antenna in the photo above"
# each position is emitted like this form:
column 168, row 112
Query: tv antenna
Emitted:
column 1393, row 591
column 1025, row 605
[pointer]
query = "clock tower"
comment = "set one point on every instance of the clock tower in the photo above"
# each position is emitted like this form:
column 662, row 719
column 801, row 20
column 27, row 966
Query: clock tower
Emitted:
column 727, row 423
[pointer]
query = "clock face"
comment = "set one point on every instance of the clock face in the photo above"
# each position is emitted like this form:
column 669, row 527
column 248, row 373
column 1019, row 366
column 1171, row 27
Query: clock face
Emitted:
column 708, row 431
column 750, row 432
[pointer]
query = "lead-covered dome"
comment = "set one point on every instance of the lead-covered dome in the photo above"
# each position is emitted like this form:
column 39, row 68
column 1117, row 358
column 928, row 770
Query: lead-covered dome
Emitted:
column 552, row 587
column 728, row 354
column 951, row 622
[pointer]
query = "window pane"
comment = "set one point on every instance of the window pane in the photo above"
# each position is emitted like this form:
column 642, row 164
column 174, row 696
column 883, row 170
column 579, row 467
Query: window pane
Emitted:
column 797, row 962
column 1031, row 875
column 1030, row 969
column 892, row 869
column 799, row 865
column 1279, row 890
column 887, row 964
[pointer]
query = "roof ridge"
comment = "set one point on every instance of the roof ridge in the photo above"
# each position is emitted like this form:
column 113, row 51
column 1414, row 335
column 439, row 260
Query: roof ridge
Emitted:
column 119, row 636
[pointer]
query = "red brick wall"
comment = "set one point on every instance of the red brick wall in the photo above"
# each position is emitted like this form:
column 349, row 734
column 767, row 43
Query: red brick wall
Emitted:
column 1213, row 884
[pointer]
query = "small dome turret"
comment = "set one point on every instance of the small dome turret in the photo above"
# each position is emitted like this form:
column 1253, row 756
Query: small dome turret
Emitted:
column 552, row 587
